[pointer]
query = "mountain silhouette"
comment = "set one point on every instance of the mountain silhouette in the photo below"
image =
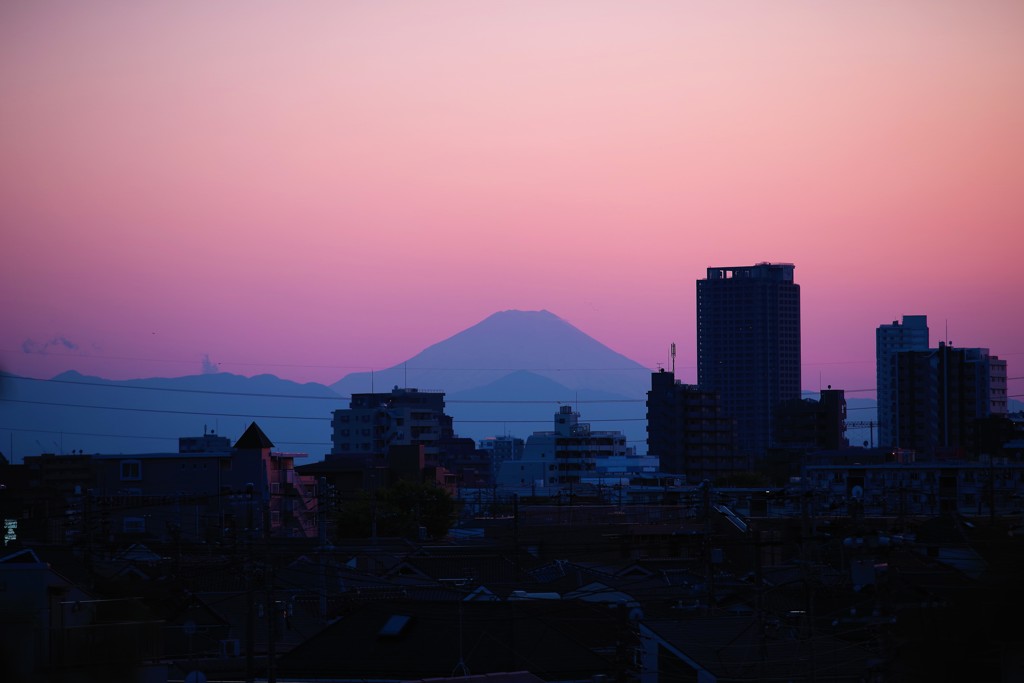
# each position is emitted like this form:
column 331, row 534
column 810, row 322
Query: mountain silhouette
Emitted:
column 507, row 374
column 73, row 412
column 506, row 342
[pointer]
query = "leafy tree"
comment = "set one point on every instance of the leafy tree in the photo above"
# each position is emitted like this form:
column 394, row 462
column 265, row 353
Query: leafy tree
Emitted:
column 398, row 510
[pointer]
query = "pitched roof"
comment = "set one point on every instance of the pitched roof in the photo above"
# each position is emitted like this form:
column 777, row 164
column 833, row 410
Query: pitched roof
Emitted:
column 253, row 439
column 409, row 640
column 736, row 648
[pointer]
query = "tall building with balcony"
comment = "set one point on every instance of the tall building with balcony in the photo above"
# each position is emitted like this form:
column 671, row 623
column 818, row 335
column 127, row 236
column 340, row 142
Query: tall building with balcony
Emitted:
column 910, row 335
column 941, row 395
column 689, row 432
column 748, row 346
column 373, row 423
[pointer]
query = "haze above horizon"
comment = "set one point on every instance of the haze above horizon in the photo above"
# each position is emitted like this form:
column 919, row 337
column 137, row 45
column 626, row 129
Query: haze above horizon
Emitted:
column 314, row 189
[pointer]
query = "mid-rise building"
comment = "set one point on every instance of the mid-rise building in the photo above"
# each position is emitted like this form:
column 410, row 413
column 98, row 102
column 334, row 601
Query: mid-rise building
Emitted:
column 903, row 486
column 748, row 346
column 910, row 335
column 498, row 449
column 941, row 395
column 402, row 417
column 689, row 432
column 214, row 492
column 810, row 424
column 562, row 458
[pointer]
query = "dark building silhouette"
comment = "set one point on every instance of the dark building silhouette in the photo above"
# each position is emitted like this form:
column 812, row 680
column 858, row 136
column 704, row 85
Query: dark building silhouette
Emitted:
column 402, row 417
column 911, row 335
column 813, row 424
column 942, row 394
column 748, row 345
column 209, row 442
column 500, row 449
column 688, row 431
column 210, row 490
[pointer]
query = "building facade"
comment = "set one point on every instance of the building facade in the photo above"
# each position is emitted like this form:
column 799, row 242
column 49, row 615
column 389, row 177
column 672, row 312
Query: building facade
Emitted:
column 910, row 335
column 811, row 424
column 919, row 489
column 244, row 491
column 748, row 346
column 942, row 393
column 498, row 449
column 688, row 430
column 402, row 417
column 562, row 458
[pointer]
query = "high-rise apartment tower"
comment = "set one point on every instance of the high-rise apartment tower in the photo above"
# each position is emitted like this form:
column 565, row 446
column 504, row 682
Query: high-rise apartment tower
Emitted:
column 748, row 345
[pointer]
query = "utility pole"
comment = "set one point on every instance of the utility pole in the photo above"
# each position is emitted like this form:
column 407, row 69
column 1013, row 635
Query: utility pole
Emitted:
column 250, row 618
column 806, row 538
column 268, row 582
column 515, row 532
column 321, row 513
column 759, row 602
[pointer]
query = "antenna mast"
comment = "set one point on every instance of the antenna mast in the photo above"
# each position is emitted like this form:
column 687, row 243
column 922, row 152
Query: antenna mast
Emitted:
column 672, row 353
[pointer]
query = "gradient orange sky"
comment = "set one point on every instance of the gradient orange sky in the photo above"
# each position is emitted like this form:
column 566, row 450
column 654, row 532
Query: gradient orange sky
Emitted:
column 314, row 188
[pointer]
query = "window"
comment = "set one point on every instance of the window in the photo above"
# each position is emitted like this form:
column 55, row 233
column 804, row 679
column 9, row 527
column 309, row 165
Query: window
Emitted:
column 134, row 525
column 131, row 470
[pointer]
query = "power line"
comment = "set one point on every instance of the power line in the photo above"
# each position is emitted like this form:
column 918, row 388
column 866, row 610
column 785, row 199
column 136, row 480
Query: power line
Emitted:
column 337, row 397
column 173, row 412
column 181, row 390
column 137, row 436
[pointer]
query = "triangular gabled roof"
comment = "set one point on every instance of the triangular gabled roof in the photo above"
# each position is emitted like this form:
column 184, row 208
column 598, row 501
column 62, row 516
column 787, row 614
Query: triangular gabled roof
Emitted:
column 26, row 556
column 253, row 439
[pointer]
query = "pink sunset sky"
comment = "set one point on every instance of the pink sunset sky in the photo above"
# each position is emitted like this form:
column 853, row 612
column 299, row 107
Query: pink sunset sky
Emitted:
column 314, row 188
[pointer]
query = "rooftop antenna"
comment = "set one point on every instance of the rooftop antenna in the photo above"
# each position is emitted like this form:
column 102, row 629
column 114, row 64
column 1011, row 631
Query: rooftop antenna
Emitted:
column 672, row 355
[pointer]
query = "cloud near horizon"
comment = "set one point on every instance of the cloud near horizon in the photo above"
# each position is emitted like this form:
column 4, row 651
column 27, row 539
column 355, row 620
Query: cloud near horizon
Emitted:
column 32, row 346
column 209, row 367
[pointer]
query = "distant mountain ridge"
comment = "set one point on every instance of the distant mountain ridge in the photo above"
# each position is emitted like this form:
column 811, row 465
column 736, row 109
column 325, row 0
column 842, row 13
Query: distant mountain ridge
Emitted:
column 510, row 373
column 72, row 412
column 507, row 374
